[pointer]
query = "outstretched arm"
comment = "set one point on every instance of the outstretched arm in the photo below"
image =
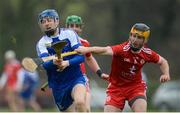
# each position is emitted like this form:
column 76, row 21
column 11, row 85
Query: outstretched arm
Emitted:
column 96, row 50
column 164, row 66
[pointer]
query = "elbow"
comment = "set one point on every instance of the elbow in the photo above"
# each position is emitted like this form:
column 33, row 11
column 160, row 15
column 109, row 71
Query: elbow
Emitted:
column 88, row 58
column 163, row 62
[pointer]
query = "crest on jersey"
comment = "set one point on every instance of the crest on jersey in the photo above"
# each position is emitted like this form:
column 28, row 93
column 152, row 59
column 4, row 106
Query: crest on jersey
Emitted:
column 142, row 61
column 126, row 59
column 48, row 44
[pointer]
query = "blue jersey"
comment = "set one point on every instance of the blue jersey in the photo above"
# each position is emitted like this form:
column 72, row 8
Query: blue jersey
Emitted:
column 29, row 82
column 31, row 79
column 57, row 79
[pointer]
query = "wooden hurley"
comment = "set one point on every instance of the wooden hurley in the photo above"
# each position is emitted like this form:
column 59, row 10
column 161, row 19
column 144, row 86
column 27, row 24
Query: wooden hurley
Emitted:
column 31, row 64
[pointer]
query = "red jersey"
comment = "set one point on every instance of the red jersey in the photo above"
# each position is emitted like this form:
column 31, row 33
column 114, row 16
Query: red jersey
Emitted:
column 85, row 43
column 126, row 66
column 11, row 69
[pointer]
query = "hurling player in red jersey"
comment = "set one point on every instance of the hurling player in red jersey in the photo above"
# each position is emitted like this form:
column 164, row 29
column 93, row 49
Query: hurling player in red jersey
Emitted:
column 75, row 22
column 9, row 80
column 125, row 80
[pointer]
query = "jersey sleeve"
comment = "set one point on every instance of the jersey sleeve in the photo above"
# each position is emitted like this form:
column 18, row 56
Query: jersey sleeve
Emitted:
column 153, row 57
column 74, row 40
column 117, row 50
column 43, row 52
column 76, row 60
column 86, row 44
column 41, row 48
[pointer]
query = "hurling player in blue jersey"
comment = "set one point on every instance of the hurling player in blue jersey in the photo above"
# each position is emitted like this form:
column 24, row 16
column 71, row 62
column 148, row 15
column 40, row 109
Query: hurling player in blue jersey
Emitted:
column 68, row 85
column 28, row 83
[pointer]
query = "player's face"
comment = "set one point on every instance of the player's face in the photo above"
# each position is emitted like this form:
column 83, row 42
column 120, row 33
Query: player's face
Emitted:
column 48, row 23
column 136, row 40
column 76, row 27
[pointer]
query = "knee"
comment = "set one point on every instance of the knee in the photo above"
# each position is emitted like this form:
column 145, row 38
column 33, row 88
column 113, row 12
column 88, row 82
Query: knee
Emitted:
column 80, row 106
column 140, row 106
column 80, row 103
column 140, row 109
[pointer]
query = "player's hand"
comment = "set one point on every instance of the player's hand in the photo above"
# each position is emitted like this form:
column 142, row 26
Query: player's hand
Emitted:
column 164, row 78
column 57, row 61
column 105, row 76
column 82, row 50
column 63, row 65
column 43, row 89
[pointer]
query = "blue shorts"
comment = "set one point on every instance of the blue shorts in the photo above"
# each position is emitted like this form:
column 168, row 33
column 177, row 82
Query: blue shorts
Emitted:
column 62, row 97
column 28, row 93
